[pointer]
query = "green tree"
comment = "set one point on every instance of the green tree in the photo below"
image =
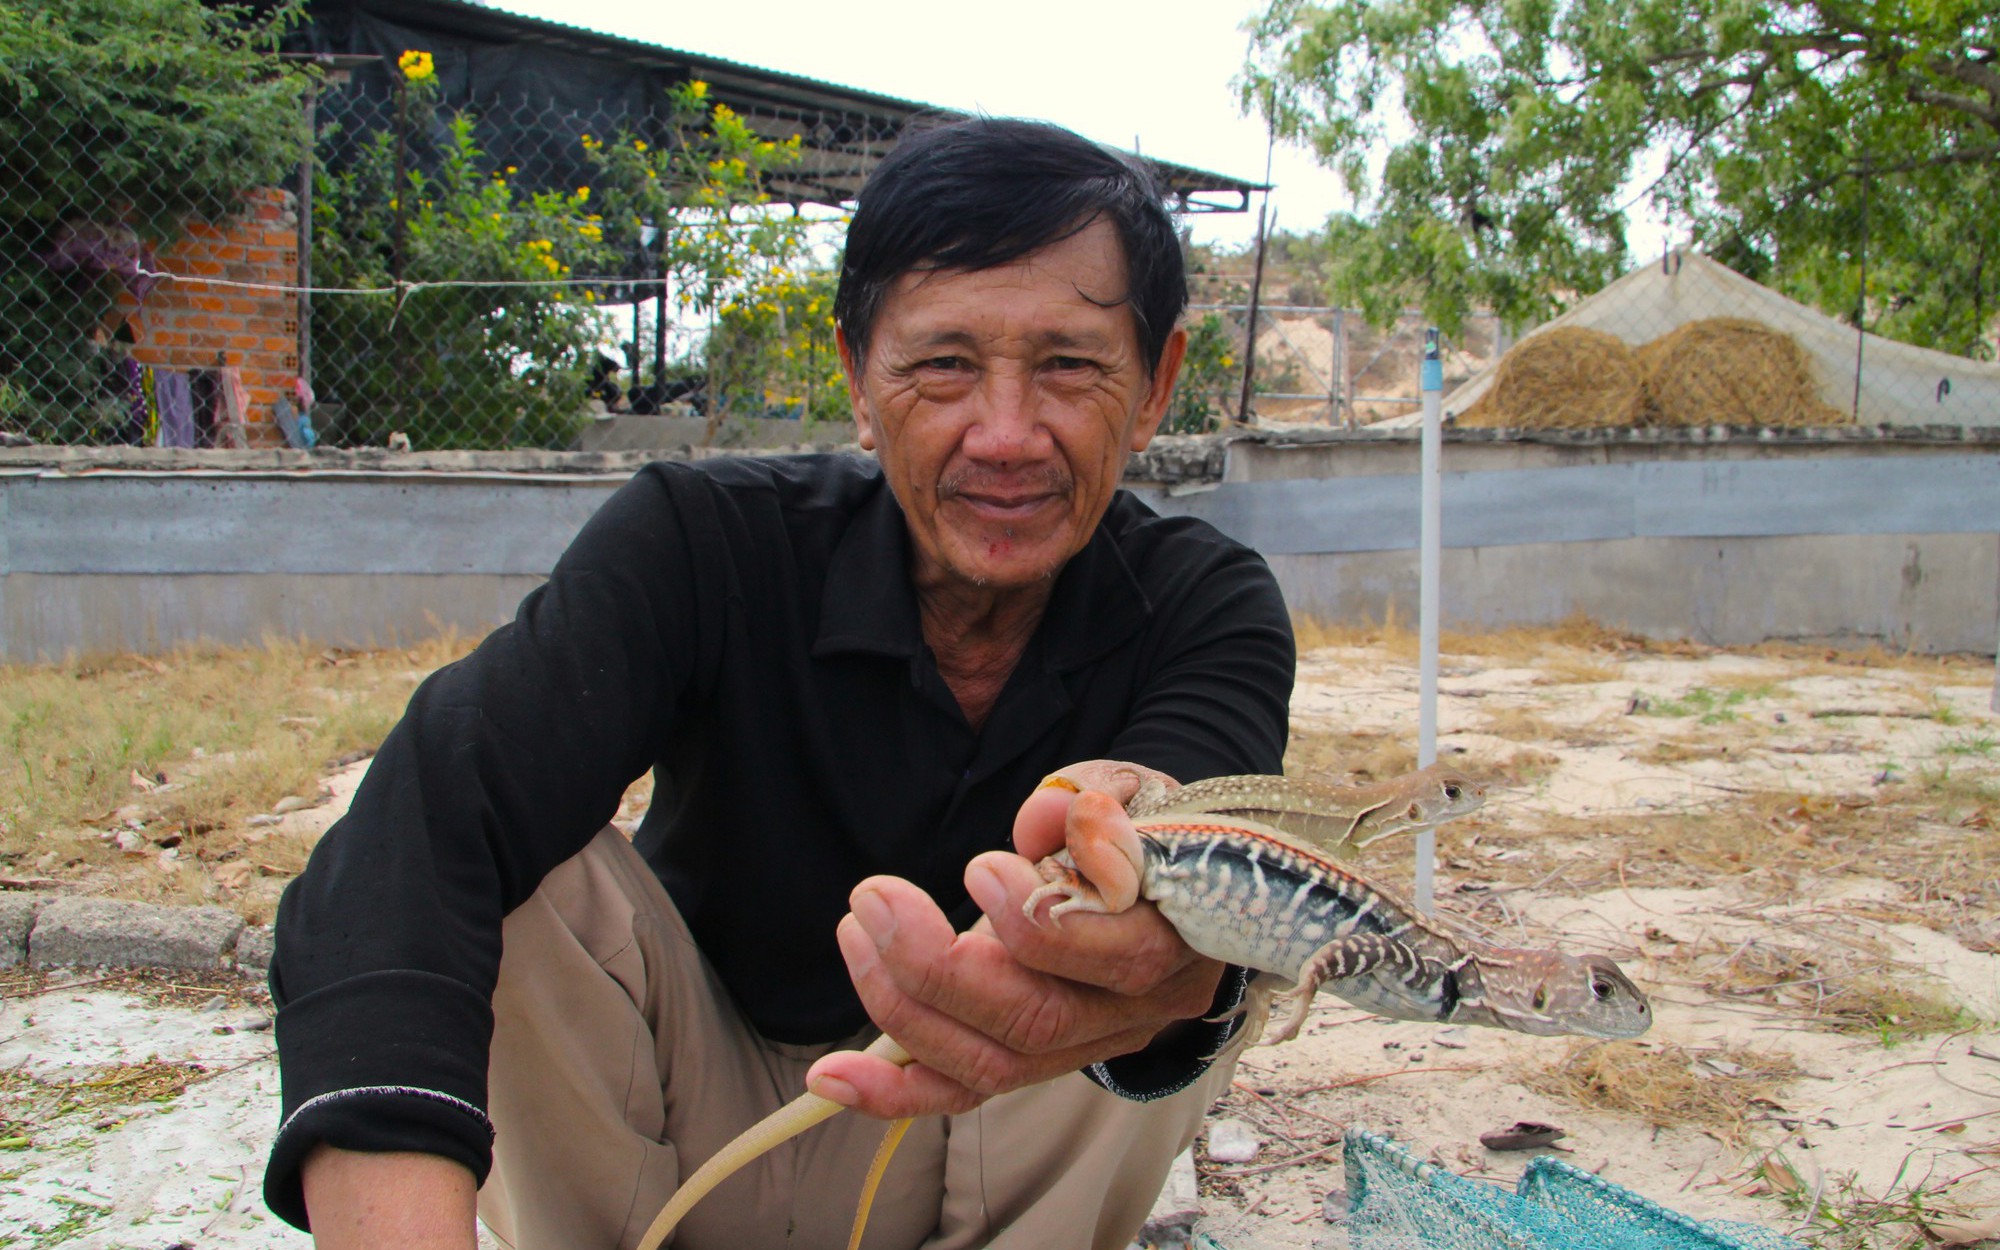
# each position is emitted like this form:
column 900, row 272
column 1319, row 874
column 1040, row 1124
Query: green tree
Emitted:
column 492, row 339
column 772, row 350
column 1788, row 138
column 120, row 120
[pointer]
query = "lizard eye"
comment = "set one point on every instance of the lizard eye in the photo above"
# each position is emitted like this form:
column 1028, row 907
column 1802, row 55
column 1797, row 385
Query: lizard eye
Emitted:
column 1452, row 792
column 1541, row 997
column 1602, row 988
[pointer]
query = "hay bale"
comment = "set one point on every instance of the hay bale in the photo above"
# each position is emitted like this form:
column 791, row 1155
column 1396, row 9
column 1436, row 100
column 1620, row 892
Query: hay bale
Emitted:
column 1731, row 371
column 1565, row 378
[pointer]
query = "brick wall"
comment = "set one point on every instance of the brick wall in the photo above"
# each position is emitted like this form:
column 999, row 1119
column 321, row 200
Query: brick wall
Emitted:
column 188, row 324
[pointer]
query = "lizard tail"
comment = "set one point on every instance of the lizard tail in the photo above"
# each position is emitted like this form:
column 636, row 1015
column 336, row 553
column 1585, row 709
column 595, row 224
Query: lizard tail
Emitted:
column 880, row 1164
column 785, row 1123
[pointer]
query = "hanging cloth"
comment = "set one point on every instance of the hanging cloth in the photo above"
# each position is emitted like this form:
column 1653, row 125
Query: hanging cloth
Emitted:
column 176, row 398
column 148, row 393
column 232, row 406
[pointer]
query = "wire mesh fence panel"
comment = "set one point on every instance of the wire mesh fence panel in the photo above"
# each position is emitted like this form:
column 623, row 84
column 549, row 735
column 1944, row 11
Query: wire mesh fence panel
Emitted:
column 497, row 273
column 1317, row 366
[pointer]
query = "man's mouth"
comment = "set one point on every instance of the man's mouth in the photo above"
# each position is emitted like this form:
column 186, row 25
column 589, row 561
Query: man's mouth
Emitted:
column 1005, row 499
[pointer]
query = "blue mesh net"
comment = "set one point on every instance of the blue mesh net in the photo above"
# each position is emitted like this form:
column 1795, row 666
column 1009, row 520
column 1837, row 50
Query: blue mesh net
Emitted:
column 1398, row 1202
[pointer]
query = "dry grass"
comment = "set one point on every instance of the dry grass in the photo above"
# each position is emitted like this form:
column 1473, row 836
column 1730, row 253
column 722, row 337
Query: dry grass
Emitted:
column 1719, row 1089
column 1339, row 758
column 183, row 748
column 1844, row 983
column 29, row 1104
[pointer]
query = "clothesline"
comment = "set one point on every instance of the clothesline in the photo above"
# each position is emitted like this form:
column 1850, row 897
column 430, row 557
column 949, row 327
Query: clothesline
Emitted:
column 399, row 288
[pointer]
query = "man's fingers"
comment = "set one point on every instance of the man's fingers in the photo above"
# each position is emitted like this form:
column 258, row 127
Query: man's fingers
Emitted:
column 1129, row 952
column 877, row 1087
column 966, row 1006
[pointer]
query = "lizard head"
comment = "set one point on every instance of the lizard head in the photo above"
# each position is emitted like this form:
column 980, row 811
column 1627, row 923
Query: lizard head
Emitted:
column 1551, row 994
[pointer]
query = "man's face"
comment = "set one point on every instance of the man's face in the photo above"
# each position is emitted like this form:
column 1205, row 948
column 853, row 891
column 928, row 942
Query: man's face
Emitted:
column 1003, row 403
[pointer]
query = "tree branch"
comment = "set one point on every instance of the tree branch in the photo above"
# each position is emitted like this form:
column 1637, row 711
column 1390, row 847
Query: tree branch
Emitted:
column 1965, row 104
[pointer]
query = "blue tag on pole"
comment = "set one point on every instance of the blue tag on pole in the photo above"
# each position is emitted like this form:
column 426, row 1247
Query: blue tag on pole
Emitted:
column 1433, row 372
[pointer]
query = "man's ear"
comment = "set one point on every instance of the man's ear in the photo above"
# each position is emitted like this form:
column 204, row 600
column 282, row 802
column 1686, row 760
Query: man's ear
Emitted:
column 1160, row 391
column 864, row 428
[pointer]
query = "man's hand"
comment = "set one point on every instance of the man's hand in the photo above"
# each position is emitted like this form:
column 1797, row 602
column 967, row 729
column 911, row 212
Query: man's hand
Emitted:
column 1008, row 1003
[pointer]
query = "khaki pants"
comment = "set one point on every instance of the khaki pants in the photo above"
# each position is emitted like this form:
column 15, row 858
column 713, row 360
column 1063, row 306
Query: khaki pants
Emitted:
column 620, row 1063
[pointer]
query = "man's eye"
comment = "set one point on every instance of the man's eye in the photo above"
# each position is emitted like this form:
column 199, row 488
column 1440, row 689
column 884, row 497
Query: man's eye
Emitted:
column 946, row 364
column 1067, row 363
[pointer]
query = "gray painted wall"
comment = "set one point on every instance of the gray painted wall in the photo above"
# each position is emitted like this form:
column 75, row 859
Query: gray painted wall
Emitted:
column 1728, row 544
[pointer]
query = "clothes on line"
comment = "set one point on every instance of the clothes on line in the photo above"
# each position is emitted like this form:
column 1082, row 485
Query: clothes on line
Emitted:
column 184, row 408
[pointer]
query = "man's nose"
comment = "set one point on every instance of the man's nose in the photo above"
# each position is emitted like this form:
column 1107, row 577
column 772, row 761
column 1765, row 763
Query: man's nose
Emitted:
column 1007, row 424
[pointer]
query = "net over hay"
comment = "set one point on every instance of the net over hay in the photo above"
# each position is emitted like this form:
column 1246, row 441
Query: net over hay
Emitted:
column 1564, row 378
column 1731, row 371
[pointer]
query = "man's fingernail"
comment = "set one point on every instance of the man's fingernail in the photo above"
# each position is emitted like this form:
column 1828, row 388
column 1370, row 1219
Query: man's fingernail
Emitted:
column 984, row 886
column 875, row 917
column 833, row 1089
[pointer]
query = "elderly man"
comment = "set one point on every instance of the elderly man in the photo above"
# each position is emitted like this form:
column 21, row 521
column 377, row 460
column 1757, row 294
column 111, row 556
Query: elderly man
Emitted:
column 847, row 677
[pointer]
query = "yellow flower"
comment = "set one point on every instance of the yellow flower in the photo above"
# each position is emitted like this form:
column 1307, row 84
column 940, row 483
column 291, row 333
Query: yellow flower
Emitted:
column 416, row 66
column 698, row 89
column 583, row 195
column 638, row 145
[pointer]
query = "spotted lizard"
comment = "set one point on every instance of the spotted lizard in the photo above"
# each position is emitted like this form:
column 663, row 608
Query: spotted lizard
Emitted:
column 1245, row 893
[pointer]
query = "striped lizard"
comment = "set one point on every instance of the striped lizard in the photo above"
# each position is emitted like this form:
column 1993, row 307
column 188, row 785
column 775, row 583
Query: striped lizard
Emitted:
column 1242, row 892
column 1342, row 819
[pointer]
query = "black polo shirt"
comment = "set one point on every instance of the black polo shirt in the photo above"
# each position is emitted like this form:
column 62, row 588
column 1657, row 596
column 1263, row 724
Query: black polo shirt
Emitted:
column 747, row 630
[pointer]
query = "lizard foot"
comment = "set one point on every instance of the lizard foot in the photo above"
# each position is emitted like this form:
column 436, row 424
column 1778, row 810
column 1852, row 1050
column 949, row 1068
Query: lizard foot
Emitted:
column 1061, row 879
column 1255, row 1009
column 1297, row 1002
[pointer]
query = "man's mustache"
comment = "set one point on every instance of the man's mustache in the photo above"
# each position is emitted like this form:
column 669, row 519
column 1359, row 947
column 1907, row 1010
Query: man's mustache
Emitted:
column 1046, row 480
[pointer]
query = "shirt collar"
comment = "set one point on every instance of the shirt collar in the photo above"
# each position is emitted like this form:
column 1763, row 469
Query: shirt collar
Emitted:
column 869, row 606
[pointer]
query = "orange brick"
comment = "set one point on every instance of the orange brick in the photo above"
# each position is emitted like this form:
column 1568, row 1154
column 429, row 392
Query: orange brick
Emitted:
column 166, row 338
column 244, row 342
column 231, row 251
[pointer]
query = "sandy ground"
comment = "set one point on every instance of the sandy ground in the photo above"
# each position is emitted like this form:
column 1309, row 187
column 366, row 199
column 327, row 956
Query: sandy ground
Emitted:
column 1700, row 817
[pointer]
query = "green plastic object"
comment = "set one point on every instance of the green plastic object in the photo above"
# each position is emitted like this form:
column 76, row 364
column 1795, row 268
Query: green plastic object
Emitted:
column 1399, row 1202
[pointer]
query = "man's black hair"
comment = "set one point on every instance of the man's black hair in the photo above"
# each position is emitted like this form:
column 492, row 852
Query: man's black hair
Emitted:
column 989, row 190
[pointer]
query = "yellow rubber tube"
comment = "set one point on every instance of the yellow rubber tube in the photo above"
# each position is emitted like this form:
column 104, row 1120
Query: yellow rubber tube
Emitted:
column 785, row 1123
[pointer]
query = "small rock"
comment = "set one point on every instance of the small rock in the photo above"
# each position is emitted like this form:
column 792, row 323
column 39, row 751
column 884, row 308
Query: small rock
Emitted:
column 248, row 1024
column 293, row 803
column 128, row 841
column 1450, row 1039
column 170, row 859
column 214, row 1004
column 1232, row 1141
column 1780, row 718
column 262, row 821
column 1416, row 1056
column 1334, row 1206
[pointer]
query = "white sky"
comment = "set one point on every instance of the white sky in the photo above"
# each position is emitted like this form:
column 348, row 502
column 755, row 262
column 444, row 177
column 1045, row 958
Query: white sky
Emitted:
column 1155, row 75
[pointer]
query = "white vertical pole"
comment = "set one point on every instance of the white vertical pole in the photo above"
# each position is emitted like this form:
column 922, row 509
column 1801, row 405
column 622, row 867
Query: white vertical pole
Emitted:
column 1427, row 595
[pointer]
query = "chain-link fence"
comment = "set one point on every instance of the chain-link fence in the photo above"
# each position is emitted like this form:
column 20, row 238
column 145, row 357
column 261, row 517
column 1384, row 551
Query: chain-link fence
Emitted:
column 499, row 274
column 338, row 257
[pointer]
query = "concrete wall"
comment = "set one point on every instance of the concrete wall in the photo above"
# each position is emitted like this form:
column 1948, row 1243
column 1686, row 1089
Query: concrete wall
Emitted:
column 1726, row 541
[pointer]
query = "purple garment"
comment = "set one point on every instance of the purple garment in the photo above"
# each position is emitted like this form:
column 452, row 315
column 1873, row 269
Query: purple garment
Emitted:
column 176, row 400
column 105, row 249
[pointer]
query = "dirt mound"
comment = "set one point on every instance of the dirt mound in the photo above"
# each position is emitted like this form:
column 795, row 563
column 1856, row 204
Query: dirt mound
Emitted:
column 1731, row 371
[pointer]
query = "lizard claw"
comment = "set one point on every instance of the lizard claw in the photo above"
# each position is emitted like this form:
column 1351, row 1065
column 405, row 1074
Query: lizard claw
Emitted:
column 1063, row 879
